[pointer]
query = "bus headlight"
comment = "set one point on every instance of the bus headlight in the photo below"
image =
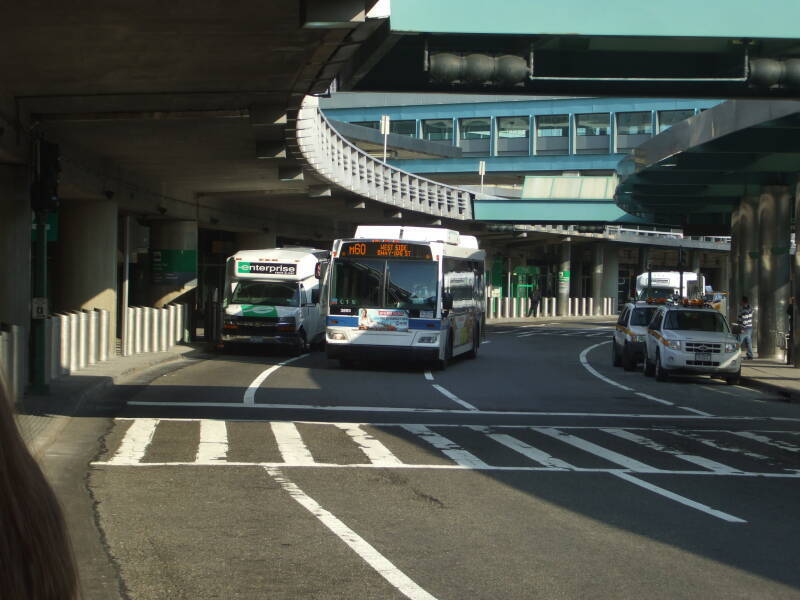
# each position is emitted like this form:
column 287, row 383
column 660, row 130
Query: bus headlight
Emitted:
column 428, row 339
column 336, row 335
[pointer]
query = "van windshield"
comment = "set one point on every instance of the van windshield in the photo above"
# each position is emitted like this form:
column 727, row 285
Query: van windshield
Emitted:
column 267, row 293
column 657, row 293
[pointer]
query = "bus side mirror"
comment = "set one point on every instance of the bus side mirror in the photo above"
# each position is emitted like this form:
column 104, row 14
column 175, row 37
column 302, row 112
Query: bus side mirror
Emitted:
column 447, row 301
column 315, row 296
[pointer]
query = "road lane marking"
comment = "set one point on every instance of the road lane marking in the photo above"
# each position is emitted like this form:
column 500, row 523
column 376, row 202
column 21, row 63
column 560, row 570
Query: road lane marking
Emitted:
column 585, row 362
column 768, row 441
column 213, row 446
column 653, row 445
column 717, row 446
column 428, row 375
column 509, row 441
column 454, row 398
column 447, row 447
column 134, row 444
column 399, row 580
column 678, row 498
column 290, row 444
column 654, row 399
column 376, row 452
column 695, row 411
column 714, row 388
column 250, row 392
column 592, row 448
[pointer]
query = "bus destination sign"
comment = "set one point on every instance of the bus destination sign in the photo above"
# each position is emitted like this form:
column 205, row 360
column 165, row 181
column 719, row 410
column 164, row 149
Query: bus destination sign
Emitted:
column 379, row 249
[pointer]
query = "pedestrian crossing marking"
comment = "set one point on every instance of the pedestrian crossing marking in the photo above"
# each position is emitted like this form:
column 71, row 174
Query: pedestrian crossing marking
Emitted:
column 213, row 447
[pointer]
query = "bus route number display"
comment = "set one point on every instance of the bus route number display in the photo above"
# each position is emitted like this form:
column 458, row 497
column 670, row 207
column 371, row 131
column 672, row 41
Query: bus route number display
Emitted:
column 377, row 249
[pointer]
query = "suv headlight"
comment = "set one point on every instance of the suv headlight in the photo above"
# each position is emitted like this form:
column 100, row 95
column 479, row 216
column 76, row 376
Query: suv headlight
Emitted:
column 673, row 344
column 729, row 347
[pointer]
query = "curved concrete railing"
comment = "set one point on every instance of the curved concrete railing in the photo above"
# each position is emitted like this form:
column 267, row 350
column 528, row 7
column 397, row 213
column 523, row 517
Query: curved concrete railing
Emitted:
column 343, row 164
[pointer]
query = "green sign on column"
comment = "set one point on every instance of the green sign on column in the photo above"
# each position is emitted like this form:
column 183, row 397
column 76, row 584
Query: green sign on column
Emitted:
column 563, row 276
column 173, row 266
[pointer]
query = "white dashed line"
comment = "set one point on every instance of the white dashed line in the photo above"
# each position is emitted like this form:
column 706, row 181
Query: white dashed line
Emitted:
column 454, row 398
column 428, row 375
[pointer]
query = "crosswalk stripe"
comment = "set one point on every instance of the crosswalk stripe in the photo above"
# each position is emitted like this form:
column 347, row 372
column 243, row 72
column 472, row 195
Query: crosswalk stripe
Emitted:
column 376, row 452
column 213, row 446
column 135, row 443
column 509, row 441
column 706, row 463
column 717, row 446
column 592, row 448
column 768, row 441
column 448, row 447
column 290, row 444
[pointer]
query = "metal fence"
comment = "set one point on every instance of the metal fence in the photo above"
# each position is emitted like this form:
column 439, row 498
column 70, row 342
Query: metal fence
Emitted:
column 518, row 308
column 344, row 164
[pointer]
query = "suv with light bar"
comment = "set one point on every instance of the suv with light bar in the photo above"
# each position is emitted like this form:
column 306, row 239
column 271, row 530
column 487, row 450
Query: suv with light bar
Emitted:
column 691, row 338
column 628, row 340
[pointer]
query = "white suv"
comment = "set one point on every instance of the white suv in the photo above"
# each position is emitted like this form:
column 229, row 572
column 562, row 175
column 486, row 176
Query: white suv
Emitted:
column 628, row 341
column 691, row 340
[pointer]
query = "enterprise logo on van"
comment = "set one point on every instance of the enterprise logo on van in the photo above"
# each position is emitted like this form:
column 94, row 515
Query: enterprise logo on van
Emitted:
column 267, row 268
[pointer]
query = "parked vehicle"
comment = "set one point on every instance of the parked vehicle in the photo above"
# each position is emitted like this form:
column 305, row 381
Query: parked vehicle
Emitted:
column 628, row 340
column 691, row 339
column 669, row 285
column 272, row 297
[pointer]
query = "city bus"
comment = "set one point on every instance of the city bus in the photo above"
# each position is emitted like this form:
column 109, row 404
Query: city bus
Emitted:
column 395, row 292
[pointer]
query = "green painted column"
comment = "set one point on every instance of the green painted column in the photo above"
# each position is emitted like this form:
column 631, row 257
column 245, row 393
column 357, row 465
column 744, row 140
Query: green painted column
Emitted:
column 173, row 260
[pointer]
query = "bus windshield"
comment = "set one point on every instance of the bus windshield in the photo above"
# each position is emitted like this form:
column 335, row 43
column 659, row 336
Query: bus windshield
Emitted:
column 268, row 293
column 378, row 283
column 657, row 293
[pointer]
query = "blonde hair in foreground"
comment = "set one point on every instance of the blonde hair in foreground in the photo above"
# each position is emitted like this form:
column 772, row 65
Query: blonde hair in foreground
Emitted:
column 36, row 561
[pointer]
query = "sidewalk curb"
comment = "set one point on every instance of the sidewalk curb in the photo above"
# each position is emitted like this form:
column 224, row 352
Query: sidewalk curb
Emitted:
column 787, row 394
column 39, row 443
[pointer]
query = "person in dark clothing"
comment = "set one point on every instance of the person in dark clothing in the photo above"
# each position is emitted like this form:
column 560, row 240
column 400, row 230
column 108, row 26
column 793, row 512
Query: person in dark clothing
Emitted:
column 746, row 323
column 535, row 296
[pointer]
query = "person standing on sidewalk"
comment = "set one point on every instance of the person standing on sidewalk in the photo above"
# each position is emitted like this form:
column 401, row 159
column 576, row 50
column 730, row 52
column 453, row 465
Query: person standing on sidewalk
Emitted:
column 535, row 296
column 746, row 323
column 36, row 561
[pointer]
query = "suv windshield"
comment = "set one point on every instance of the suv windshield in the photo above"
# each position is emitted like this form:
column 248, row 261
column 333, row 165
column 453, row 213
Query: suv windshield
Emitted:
column 268, row 293
column 642, row 316
column 695, row 320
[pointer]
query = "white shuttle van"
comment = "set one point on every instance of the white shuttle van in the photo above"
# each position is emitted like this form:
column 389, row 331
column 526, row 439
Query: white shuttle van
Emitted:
column 272, row 297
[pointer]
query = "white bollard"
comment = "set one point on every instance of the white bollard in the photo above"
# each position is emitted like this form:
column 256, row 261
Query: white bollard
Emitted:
column 131, row 331
column 147, row 329
column 173, row 311
column 64, row 345
column 583, row 307
column 83, row 341
column 48, row 345
column 591, row 306
column 163, row 338
column 104, row 336
column 74, row 347
column 138, row 333
column 55, row 346
column 91, row 357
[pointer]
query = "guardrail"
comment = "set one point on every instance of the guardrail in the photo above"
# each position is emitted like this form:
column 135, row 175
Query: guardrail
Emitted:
column 149, row 329
column 344, row 164
column 11, row 363
column 518, row 308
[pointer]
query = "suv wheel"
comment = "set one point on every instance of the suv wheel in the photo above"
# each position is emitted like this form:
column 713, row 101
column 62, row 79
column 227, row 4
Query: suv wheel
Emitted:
column 628, row 363
column 660, row 372
column 647, row 366
column 735, row 378
column 616, row 360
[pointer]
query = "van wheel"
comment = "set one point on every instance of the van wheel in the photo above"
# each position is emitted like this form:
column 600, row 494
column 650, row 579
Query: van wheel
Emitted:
column 476, row 342
column 441, row 363
column 302, row 345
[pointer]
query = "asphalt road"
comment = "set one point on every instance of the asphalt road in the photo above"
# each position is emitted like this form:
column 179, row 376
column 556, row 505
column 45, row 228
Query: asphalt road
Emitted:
column 537, row 470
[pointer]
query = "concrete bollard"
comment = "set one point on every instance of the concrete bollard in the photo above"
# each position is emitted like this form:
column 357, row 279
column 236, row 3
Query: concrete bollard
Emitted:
column 91, row 341
column 147, row 329
column 163, row 338
column 171, row 328
column 64, row 345
column 591, row 306
column 55, row 347
column 83, row 334
column 583, row 307
column 104, row 334
column 137, row 329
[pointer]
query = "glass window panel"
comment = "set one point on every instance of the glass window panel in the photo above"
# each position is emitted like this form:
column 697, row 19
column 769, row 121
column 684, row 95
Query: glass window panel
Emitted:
column 370, row 124
column 668, row 118
column 474, row 129
column 593, row 124
column 552, row 126
column 408, row 128
column 512, row 127
column 634, row 123
column 437, row 129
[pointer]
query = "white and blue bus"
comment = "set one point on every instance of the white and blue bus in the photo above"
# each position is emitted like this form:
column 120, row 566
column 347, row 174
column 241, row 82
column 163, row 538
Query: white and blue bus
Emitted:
column 396, row 292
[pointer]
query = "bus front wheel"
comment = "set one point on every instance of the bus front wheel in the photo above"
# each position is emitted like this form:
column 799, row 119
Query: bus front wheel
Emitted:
column 476, row 342
column 441, row 363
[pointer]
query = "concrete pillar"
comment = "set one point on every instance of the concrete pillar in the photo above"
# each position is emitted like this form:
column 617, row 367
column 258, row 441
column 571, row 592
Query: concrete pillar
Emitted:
column 173, row 256
column 15, row 248
column 563, row 278
column 86, row 262
column 255, row 241
column 611, row 273
column 598, row 268
column 773, row 214
column 795, row 354
column 576, row 274
column 749, row 266
column 694, row 264
column 731, row 279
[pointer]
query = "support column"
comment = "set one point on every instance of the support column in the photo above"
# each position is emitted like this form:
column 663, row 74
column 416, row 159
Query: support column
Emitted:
column 794, row 291
column 695, row 266
column 173, row 255
column 749, row 266
column 731, row 270
column 15, row 248
column 563, row 278
column 611, row 274
column 86, row 262
column 773, row 213
column 598, row 267
column 576, row 274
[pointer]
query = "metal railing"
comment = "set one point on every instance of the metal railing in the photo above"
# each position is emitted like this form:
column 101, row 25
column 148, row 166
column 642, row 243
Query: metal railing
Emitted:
column 338, row 161
column 518, row 308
